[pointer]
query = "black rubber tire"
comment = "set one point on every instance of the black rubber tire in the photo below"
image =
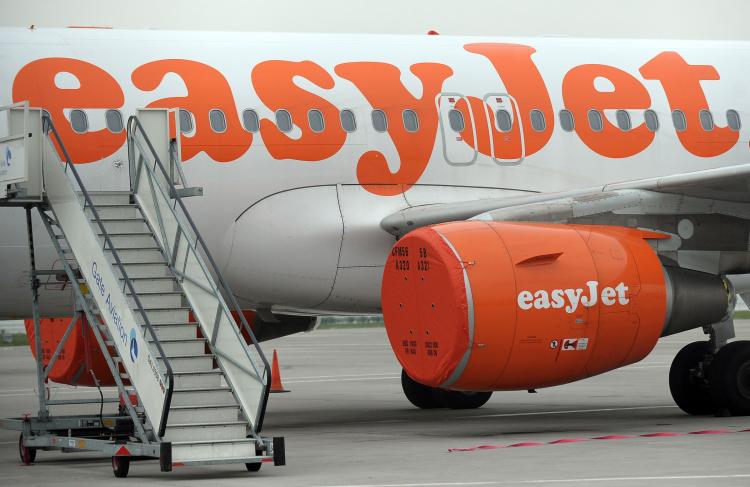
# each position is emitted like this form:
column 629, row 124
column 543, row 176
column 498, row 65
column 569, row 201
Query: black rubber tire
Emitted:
column 462, row 400
column 28, row 455
column 120, row 466
column 422, row 396
column 729, row 377
column 254, row 467
column 690, row 393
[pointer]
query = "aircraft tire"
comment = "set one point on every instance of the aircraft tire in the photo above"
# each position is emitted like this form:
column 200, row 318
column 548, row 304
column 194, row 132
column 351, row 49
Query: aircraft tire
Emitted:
column 729, row 378
column 422, row 396
column 689, row 392
column 462, row 400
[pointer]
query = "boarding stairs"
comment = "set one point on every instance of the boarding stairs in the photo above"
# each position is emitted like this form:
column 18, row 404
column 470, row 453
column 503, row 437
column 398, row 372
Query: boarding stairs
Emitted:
column 193, row 387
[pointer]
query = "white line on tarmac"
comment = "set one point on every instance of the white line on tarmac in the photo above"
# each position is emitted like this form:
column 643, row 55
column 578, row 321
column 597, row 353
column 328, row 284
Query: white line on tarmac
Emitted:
column 352, row 379
column 557, row 481
column 380, row 374
column 569, row 411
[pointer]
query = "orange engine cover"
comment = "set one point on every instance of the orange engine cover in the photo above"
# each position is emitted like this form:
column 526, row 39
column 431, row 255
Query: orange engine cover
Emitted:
column 509, row 306
column 79, row 356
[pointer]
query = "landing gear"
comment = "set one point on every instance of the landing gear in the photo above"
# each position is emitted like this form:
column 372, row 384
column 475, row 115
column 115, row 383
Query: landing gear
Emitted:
column 425, row 397
column 729, row 378
column 420, row 395
column 688, row 379
column 704, row 382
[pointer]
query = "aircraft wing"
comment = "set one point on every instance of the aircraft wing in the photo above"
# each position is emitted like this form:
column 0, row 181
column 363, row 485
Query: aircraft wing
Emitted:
column 724, row 191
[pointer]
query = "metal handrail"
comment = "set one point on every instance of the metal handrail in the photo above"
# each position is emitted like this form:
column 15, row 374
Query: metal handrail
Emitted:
column 48, row 126
column 135, row 125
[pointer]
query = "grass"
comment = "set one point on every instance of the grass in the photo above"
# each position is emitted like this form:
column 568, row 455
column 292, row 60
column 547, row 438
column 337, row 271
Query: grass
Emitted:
column 14, row 340
column 342, row 326
column 742, row 315
column 348, row 322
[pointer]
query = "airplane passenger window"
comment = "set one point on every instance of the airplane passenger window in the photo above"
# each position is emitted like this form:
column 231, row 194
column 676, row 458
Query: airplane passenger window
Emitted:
column 566, row 121
column 186, row 121
column 504, row 122
column 283, row 120
column 623, row 120
column 113, row 118
column 411, row 122
column 733, row 119
column 316, row 121
column 537, row 120
column 679, row 120
column 79, row 121
column 652, row 120
column 218, row 121
column 456, row 120
column 595, row 120
column 707, row 120
column 348, row 122
column 250, row 120
column 379, row 121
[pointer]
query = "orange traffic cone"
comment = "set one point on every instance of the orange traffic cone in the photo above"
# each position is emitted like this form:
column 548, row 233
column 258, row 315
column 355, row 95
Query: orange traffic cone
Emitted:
column 276, row 385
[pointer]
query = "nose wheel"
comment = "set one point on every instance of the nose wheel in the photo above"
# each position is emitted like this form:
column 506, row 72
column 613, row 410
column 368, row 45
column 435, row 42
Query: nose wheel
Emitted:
column 703, row 382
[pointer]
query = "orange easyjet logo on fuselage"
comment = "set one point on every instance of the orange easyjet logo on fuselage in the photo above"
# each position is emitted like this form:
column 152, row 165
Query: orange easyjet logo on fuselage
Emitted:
column 380, row 84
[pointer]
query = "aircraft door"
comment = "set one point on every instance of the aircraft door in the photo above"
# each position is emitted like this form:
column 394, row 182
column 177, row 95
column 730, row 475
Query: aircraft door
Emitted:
column 507, row 147
column 457, row 129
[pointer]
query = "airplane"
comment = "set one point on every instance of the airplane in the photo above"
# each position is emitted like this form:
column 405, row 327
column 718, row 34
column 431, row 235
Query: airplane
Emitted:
column 523, row 212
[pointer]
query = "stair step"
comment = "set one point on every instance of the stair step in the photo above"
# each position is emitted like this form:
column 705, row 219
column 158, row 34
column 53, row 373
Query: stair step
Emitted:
column 122, row 225
column 226, row 450
column 152, row 284
column 137, row 255
column 115, row 210
column 110, row 197
column 197, row 414
column 143, row 269
column 190, row 346
column 175, row 331
column 171, row 299
column 207, row 431
column 165, row 315
column 202, row 396
column 189, row 363
column 128, row 240
column 191, row 380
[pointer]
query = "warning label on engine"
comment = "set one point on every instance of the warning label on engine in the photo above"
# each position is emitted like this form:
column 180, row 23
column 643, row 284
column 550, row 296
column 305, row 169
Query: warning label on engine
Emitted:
column 570, row 344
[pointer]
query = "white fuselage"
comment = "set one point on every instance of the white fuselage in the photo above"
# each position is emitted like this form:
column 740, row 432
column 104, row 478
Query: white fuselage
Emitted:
column 294, row 218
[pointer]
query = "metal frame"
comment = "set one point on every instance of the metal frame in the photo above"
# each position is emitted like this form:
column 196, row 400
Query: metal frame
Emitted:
column 49, row 129
column 131, row 428
column 220, row 288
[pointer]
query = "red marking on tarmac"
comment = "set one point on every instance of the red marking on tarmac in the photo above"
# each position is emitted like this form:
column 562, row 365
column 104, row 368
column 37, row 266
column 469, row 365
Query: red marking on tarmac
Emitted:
column 659, row 434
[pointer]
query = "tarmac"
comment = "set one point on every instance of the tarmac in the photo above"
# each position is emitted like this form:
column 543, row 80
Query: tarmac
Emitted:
column 347, row 423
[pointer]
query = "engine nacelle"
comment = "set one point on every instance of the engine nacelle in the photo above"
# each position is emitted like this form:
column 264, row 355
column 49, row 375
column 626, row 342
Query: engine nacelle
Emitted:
column 511, row 306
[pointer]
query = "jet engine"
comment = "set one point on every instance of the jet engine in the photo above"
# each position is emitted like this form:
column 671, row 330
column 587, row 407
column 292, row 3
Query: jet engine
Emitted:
column 483, row 306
